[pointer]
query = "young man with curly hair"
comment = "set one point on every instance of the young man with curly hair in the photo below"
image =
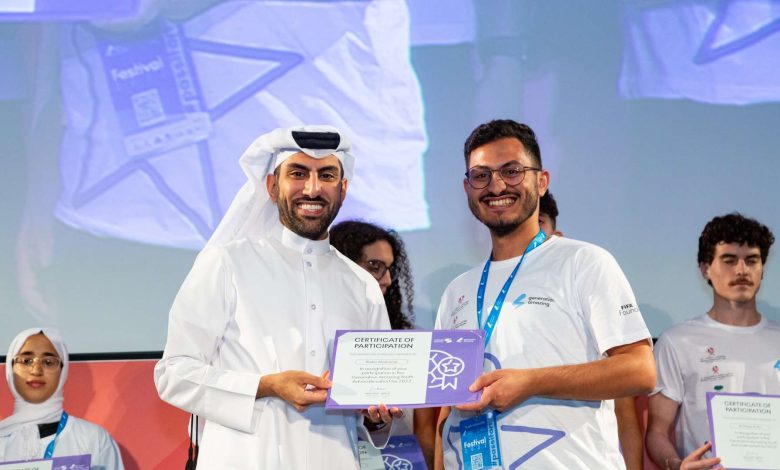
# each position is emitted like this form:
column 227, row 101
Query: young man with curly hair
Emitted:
column 731, row 348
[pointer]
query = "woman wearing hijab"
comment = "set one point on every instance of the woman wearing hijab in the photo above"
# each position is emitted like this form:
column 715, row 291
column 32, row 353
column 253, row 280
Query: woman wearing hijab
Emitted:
column 36, row 370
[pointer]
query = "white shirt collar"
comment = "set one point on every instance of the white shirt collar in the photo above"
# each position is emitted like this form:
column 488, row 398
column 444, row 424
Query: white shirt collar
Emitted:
column 303, row 245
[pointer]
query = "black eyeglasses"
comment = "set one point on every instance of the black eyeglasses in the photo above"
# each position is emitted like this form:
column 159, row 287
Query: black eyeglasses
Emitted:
column 375, row 267
column 479, row 176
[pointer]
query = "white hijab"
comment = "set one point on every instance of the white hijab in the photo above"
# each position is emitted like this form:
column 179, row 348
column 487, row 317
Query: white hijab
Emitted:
column 252, row 213
column 22, row 426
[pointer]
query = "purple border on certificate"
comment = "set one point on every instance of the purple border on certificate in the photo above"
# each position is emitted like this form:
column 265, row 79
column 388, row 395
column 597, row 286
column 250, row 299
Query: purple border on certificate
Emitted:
column 72, row 10
column 455, row 361
column 71, row 462
column 710, row 396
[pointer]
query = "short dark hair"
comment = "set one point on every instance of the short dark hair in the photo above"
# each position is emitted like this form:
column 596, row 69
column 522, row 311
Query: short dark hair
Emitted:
column 349, row 237
column 500, row 129
column 734, row 228
column 547, row 205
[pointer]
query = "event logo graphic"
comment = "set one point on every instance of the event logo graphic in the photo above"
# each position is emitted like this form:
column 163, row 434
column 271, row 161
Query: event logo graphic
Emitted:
column 396, row 463
column 715, row 370
column 519, row 301
column 711, row 351
column 444, row 369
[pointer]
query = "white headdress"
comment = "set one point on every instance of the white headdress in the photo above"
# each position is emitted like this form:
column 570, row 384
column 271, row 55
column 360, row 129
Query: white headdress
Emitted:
column 252, row 213
column 26, row 416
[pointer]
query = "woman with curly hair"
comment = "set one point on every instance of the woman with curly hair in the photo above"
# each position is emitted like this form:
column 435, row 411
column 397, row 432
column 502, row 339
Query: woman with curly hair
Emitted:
column 380, row 252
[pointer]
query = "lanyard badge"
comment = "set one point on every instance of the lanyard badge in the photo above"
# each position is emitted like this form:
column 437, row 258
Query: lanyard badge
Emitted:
column 492, row 319
column 50, row 448
column 479, row 442
column 479, row 439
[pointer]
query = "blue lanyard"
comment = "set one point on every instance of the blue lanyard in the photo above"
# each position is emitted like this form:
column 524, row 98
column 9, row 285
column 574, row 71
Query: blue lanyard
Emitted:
column 492, row 319
column 50, row 448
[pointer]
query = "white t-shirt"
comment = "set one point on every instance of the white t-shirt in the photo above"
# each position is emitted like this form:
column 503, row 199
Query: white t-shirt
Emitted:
column 79, row 437
column 569, row 304
column 702, row 355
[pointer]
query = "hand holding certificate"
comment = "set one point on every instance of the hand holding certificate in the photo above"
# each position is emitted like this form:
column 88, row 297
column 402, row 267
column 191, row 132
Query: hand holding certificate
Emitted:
column 745, row 430
column 408, row 368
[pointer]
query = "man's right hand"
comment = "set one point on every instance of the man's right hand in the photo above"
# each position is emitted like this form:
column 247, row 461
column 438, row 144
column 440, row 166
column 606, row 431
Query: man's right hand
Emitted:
column 695, row 460
column 298, row 388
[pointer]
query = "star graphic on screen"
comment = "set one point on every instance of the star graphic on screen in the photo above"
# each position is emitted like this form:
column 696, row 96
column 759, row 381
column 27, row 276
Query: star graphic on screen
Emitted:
column 284, row 60
column 708, row 52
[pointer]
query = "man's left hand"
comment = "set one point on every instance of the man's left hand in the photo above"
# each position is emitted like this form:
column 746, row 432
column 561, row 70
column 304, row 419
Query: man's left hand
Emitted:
column 501, row 389
column 382, row 415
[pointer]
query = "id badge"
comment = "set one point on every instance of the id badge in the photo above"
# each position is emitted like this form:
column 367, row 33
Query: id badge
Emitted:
column 479, row 442
column 154, row 89
column 370, row 457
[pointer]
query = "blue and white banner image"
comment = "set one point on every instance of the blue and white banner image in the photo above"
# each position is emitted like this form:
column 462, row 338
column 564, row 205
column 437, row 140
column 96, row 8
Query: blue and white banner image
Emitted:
column 713, row 51
column 156, row 119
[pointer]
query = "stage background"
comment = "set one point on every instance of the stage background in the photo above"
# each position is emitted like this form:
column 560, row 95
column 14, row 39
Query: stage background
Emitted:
column 646, row 140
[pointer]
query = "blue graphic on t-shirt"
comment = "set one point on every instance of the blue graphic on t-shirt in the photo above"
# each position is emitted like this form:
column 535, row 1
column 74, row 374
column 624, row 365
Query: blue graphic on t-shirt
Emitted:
column 555, row 436
column 520, row 300
column 493, row 360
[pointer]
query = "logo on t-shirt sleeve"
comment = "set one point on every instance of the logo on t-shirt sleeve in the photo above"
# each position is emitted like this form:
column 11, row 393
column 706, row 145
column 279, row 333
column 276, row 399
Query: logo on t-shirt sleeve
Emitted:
column 628, row 309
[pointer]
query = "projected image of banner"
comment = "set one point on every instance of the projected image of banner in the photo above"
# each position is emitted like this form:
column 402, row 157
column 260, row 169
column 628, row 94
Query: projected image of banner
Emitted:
column 715, row 51
column 65, row 9
column 157, row 119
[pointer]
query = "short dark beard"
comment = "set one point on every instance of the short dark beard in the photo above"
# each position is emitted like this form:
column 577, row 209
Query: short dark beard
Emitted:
column 289, row 219
column 503, row 228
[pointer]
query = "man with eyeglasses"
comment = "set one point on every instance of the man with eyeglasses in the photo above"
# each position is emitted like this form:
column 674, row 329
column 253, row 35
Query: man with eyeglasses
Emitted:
column 562, row 331
column 251, row 328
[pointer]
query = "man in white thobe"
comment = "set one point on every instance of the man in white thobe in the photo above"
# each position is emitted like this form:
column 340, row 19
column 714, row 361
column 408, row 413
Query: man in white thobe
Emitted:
column 251, row 329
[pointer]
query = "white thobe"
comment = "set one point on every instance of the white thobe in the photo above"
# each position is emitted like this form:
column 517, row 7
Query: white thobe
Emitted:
column 79, row 437
column 251, row 308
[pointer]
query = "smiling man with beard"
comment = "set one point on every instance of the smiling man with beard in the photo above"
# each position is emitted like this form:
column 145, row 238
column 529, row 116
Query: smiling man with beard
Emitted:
column 563, row 333
column 731, row 348
column 251, row 329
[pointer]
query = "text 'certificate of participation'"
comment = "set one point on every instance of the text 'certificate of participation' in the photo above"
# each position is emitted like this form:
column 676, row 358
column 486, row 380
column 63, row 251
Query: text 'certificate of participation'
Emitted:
column 409, row 368
column 745, row 430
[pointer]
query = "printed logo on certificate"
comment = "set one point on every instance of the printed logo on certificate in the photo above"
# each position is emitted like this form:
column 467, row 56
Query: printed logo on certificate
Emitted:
column 745, row 430
column 409, row 368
